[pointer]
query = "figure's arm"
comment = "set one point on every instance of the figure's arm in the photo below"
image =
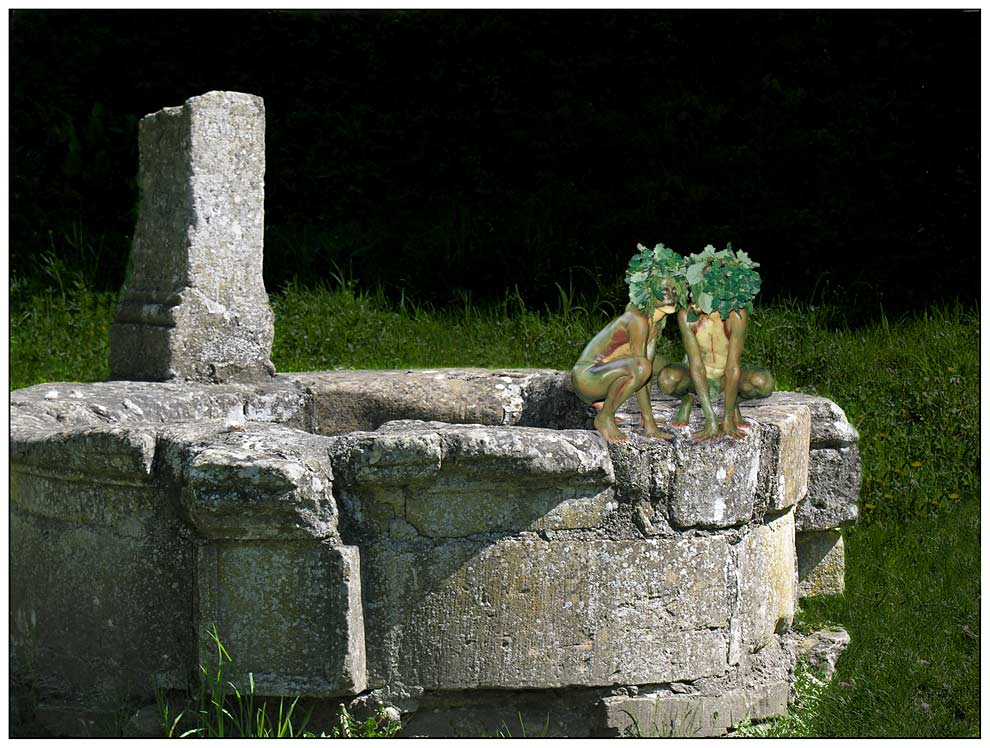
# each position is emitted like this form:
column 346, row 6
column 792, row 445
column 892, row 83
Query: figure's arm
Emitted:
column 640, row 345
column 697, row 368
column 737, row 324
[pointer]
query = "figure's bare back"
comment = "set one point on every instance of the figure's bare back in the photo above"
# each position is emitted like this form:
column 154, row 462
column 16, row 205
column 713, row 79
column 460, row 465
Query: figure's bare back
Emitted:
column 610, row 343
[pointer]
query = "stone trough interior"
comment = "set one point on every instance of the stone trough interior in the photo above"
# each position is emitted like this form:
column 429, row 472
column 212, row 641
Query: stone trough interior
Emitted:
column 459, row 545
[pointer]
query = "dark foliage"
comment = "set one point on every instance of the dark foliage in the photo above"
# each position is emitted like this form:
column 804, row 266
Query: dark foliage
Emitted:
column 450, row 151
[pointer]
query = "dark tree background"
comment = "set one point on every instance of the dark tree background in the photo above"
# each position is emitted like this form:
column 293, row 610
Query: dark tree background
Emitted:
column 439, row 152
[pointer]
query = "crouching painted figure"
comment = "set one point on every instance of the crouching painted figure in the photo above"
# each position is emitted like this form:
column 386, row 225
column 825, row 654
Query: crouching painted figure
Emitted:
column 621, row 360
column 713, row 322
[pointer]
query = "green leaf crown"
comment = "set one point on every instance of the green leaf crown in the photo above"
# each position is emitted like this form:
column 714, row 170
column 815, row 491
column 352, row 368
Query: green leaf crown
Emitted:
column 646, row 274
column 721, row 281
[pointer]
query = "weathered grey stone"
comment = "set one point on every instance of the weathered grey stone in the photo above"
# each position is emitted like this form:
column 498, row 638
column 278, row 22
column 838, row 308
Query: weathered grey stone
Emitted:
column 833, row 489
column 346, row 401
column 495, row 557
column 784, row 462
column 767, row 567
column 820, row 651
column 195, row 305
column 829, row 426
column 145, row 722
column 821, row 563
column 288, row 612
column 252, row 481
column 450, row 481
column 101, row 588
column 716, row 481
column 525, row 613
column 694, row 716
column 39, row 411
column 644, row 476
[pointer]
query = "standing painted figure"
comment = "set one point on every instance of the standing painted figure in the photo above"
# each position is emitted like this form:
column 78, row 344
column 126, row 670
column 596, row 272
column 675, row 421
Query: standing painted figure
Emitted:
column 713, row 327
column 620, row 360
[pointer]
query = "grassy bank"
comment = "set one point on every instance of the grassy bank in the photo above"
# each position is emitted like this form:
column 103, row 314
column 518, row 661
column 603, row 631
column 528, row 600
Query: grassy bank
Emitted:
column 910, row 386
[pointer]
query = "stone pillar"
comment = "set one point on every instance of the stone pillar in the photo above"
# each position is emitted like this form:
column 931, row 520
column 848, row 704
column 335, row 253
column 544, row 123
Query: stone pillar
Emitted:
column 194, row 305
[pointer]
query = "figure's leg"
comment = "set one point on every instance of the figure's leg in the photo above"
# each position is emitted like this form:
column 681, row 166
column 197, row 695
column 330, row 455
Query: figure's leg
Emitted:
column 600, row 404
column 755, row 382
column 614, row 381
column 675, row 380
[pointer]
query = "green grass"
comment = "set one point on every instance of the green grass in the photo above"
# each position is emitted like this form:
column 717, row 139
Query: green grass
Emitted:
column 910, row 386
column 912, row 610
column 229, row 708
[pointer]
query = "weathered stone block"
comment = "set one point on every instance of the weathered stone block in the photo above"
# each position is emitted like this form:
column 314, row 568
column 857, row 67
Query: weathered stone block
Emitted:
column 690, row 716
column 195, row 305
column 829, row 426
column 786, row 435
column 450, row 481
column 253, row 480
column 526, row 613
column 346, row 401
column 101, row 589
column 821, row 563
column 716, row 481
column 288, row 612
column 833, row 489
column 37, row 412
column 767, row 567
column 820, row 651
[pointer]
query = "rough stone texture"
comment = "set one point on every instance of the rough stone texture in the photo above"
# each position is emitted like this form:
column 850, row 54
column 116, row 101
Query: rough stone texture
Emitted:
column 288, row 612
column 767, row 567
column 195, row 305
column 252, row 481
column 784, row 461
column 716, row 481
column 833, row 489
column 820, row 650
column 101, row 569
column 644, row 477
column 443, row 481
column 493, row 558
column 345, row 401
column 691, row 716
column 39, row 413
column 526, row 613
column 829, row 426
column 821, row 563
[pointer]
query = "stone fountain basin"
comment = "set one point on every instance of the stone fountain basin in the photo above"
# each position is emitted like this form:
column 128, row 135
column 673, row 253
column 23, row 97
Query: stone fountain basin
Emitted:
column 439, row 540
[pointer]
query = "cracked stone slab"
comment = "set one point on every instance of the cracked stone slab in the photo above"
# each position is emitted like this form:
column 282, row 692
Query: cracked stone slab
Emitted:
column 36, row 412
column 526, row 613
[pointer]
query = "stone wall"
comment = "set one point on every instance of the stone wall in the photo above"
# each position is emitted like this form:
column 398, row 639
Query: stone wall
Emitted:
column 456, row 549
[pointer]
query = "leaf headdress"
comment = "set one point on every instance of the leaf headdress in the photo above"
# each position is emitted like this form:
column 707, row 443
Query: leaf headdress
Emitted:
column 646, row 273
column 722, row 281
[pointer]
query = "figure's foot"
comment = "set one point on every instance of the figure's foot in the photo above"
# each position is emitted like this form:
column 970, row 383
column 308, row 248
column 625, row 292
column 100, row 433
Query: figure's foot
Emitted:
column 710, row 431
column 729, row 428
column 607, row 428
column 660, row 435
column 683, row 417
column 740, row 421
